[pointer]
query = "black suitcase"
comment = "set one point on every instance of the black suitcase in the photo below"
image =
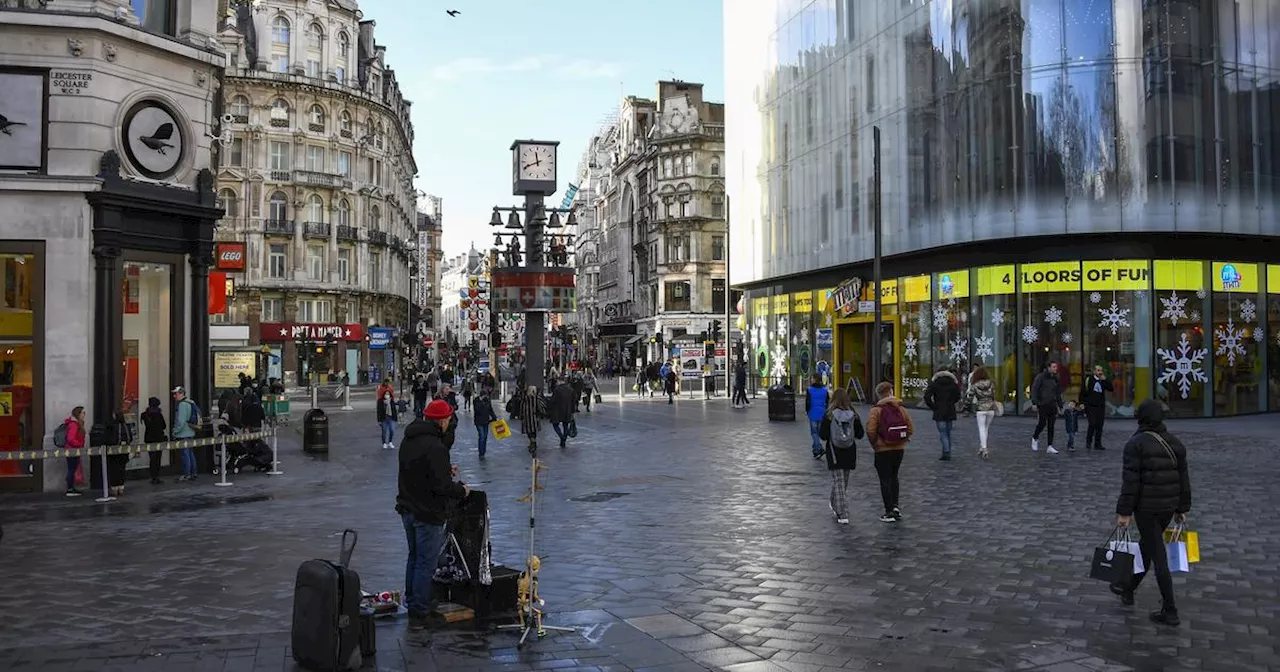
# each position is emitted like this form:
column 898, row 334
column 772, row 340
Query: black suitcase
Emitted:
column 326, row 613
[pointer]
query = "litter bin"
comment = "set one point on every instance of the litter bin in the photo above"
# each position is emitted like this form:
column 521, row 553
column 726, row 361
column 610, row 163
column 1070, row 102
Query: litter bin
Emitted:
column 782, row 403
column 315, row 432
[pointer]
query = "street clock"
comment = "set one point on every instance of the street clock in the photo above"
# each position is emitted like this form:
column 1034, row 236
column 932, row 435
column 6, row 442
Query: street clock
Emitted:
column 533, row 167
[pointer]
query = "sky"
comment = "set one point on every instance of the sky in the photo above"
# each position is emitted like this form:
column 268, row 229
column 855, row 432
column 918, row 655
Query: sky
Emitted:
column 526, row 69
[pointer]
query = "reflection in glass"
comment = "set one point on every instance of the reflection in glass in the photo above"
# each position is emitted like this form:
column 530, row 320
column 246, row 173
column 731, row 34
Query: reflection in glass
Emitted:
column 1118, row 338
column 915, row 335
column 1182, row 354
column 1051, row 333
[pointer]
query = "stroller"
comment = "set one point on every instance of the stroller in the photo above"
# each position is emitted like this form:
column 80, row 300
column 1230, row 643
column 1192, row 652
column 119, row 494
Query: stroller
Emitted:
column 244, row 455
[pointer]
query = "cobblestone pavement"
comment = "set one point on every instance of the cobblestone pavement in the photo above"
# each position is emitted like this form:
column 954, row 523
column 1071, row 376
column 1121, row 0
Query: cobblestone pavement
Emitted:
column 689, row 536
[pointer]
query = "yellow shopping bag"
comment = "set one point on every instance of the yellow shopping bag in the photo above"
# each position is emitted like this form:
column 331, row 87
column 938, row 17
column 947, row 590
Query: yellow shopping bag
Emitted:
column 500, row 429
column 1191, row 539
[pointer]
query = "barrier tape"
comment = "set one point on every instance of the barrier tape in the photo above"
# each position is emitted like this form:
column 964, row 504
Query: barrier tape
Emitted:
column 135, row 449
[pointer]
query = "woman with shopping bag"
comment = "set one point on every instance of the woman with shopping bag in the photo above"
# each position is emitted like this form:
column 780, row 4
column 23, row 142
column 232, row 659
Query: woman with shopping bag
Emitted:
column 1155, row 490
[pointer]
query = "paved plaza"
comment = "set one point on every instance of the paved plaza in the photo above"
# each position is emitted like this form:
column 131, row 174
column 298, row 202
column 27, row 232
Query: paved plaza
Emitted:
column 683, row 537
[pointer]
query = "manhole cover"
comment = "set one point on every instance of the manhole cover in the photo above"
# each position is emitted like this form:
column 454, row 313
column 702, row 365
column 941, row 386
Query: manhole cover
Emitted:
column 598, row 497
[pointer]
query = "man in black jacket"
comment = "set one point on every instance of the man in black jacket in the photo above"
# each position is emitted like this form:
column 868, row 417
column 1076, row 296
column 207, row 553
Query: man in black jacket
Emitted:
column 1093, row 396
column 1046, row 398
column 427, row 492
column 421, row 394
column 560, row 410
column 942, row 396
column 1156, row 489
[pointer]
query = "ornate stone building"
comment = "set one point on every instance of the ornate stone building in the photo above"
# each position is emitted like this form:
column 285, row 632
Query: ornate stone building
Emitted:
column 317, row 183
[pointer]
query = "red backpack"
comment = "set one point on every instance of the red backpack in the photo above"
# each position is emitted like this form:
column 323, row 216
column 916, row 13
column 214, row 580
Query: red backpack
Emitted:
column 893, row 427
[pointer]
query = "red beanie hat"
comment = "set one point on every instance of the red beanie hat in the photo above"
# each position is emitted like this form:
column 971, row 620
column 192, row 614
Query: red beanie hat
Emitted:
column 438, row 409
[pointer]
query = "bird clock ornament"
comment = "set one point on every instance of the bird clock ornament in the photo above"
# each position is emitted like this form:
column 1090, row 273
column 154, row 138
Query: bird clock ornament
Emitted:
column 153, row 139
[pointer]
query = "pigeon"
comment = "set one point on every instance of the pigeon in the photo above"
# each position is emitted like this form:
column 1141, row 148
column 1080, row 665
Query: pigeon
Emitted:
column 5, row 125
column 157, row 139
column 452, row 12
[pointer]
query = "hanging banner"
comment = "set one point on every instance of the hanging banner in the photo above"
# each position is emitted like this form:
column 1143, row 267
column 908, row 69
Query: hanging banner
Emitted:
column 1116, row 275
column 996, row 280
column 802, row 302
column 888, row 292
column 1058, row 276
column 1231, row 276
column 1185, row 276
column 953, row 285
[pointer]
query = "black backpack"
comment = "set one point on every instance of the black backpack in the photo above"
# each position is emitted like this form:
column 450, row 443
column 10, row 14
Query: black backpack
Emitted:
column 60, row 435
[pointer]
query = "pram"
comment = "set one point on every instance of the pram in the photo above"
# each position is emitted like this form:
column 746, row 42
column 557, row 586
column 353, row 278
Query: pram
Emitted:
column 244, row 455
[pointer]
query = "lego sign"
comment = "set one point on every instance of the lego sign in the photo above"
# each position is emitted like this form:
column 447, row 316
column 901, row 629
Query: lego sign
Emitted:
column 229, row 256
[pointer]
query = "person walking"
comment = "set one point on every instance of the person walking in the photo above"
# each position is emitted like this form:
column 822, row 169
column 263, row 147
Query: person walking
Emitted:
column 482, row 415
column 387, row 417
column 153, row 431
column 889, row 428
column 840, row 427
column 1046, row 399
column 942, row 396
column 982, row 398
column 426, row 493
column 1093, row 397
column 671, row 382
column 422, row 393
column 815, row 408
column 1155, row 489
column 588, row 388
column 530, row 407
column 468, row 389
column 740, row 387
column 75, row 440
column 119, row 433
column 186, row 417
column 560, row 410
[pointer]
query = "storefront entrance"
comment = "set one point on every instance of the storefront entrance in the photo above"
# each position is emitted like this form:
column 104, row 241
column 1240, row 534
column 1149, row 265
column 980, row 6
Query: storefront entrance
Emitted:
column 21, row 341
column 854, row 341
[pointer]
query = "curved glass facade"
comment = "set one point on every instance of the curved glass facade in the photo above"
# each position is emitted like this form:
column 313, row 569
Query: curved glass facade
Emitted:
column 998, row 118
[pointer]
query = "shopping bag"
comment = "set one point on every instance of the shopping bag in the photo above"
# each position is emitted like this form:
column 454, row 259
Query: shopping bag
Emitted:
column 1132, row 548
column 573, row 429
column 1113, row 562
column 500, row 428
column 599, row 398
column 1191, row 539
column 1177, row 552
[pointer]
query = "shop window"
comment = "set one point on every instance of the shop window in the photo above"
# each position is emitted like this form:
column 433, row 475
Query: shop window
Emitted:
column 1117, row 330
column 147, row 327
column 1182, row 359
column 801, row 361
column 676, row 296
column 994, row 329
column 777, row 341
column 916, row 326
column 1271, row 337
column 951, row 336
column 1237, row 355
column 1050, row 326
column 20, row 429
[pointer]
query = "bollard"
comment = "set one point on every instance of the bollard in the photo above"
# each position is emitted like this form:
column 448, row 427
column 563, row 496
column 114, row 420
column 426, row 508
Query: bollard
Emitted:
column 225, row 467
column 315, row 396
column 346, row 398
column 106, row 492
column 504, row 390
column 620, row 382
column 275, row 457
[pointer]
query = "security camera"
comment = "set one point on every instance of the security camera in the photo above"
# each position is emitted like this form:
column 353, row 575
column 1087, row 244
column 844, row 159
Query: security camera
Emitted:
column 228, row 118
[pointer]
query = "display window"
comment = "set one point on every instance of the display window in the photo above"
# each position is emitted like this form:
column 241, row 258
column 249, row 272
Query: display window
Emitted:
column 917, row 326
column 148, row 333
column 802, row 359
column 824, row 335
column 1181, row 347
column 1050, row 323
column 779, row 340
column 758, row 339
column 1271, row 337
column 1117, row 329
column 1237, row 353
column 21, row 427
column 994, row 329
column 951, row 334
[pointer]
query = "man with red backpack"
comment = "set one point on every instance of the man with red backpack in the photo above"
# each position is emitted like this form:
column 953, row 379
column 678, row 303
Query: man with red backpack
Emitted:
column 889, row 428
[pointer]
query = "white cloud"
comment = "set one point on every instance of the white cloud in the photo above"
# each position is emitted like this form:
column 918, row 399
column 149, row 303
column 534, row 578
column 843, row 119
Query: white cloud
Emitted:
column 462, row 68
column 590, row 70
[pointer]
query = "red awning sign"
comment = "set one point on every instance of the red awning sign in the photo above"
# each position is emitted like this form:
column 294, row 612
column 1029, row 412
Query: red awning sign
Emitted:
column 289, row 331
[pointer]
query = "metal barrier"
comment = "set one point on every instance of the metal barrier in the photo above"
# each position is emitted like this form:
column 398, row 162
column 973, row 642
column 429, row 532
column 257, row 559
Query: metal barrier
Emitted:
column 140, row 448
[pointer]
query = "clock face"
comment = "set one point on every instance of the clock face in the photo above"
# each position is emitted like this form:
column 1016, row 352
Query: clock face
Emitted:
column 153, row 139
column 536, row 162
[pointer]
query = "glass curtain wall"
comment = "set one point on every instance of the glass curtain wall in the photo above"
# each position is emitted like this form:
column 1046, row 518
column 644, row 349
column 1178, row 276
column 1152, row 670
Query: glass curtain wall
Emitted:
column 919, row 356
column 1181, row 344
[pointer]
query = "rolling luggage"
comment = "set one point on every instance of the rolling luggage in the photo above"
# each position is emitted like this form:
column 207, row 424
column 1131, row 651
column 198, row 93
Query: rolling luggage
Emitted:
column 326, row 613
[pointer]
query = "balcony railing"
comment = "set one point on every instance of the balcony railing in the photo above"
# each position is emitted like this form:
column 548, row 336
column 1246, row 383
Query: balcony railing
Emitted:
column 315, row 230
column 350, row 233
column 280, row 176
column 378, row 238
column 278, row 227
column 312, row 178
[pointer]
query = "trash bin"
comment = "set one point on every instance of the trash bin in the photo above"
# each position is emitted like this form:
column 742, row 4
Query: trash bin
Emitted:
column 782, row 404
column 315, row 432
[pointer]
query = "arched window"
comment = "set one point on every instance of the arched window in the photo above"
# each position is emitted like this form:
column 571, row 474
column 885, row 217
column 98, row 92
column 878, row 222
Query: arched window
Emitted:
column 280, row 31
column 280, row 45
column 315, row 208
column 378, row 137
column 715, row 166
column 375, row 219
column 227, row 201
column 316, row 118
column 315, row 37
column 278, row 207
column 344, row 47
column 344, row 213
column 280, row 112
column 240, row 108
column 315, row 51
column 344, row 123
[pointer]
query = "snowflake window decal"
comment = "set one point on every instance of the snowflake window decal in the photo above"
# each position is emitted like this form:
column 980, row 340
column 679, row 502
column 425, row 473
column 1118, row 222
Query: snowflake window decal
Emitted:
column 959, row 349
column 997, row 317
column 1053, row 315
column 982, row 348
column 909, row 346
column 1067, row 337
column 1114, row 318
column 1200, row 293
column 1030, row 334
column 1095, row 298
column 940, row 317
column 922, row 321
column 1183, row 365
column 1259, row 335
column 1230, row 341
column 1248, row 311
column 1173, row 308
column 1194, row 316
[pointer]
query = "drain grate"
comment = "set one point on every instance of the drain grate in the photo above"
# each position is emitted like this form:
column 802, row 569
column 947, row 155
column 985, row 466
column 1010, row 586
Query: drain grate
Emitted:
column 599, row 497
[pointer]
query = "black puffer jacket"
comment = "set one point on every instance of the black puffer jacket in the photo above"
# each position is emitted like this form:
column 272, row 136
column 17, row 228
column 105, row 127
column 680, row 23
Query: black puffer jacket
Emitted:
column 426, row 488
column 1155, row 477
column 942, row 396
column 1045, row 390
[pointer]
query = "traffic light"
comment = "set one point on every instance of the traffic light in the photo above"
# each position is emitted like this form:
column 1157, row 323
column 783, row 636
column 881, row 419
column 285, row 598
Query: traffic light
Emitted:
column 657, row 338
column 715, row 330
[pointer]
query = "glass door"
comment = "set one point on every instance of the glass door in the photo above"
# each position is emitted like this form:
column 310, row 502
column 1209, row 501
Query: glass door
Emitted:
column 148, row 346
column 21, row 426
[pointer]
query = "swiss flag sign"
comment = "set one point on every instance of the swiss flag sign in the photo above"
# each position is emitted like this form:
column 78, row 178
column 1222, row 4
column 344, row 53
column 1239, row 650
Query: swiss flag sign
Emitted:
column 528, row 297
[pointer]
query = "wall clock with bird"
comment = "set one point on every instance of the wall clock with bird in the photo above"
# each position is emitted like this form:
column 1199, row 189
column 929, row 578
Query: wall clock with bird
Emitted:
column 23, row 96
column 154, row 139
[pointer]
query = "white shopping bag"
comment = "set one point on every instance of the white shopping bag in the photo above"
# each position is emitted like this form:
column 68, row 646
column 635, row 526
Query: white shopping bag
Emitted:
column 1177, row 551
column 1132, row 548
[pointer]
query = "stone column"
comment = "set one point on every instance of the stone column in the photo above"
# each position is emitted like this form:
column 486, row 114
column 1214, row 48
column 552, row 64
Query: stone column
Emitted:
column 200, row 382
column 108, row 343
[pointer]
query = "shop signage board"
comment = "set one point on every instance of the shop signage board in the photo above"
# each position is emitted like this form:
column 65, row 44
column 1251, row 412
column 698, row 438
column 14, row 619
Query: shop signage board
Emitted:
column 691, row 357
column 291, row 331
column 1187, row 276
column 997, row 280
column 380, row 338
column 1058, row 276
column 229, row 256
column 1231, row 276
column 888, row 291
column 1116, row 275
column 1273, row 279
column 916, row 289
column 781, row 304
column 953, row 285
column 521, row 290
column 825, row 338
column 802, row 302
column 228, row 365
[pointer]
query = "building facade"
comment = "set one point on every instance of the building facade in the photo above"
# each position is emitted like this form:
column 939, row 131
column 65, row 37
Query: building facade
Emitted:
column 664, row 210
column 317, row 183
column 465, row 320
column 106, row 121
column 427, row 279
column 1060, row 180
